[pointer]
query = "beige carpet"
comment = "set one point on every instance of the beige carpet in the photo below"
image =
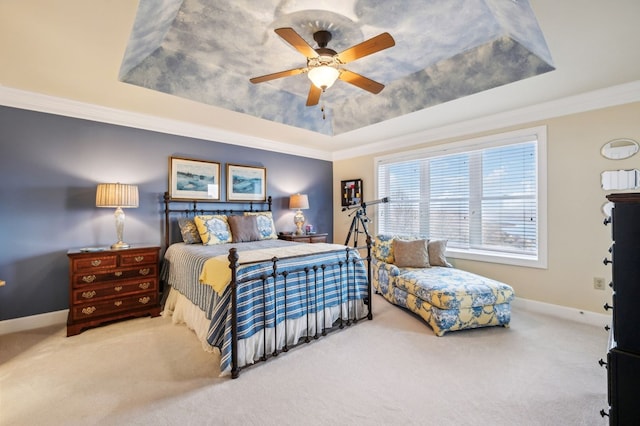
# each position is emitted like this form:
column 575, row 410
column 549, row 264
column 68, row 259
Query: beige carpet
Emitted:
column 389, row 371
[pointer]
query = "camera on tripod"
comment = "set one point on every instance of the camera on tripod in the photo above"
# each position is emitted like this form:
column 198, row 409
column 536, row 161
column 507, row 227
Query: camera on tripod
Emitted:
column 360, row 219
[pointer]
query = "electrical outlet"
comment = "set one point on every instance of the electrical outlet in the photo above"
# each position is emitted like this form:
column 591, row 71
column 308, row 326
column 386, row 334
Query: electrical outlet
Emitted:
column 598, row 283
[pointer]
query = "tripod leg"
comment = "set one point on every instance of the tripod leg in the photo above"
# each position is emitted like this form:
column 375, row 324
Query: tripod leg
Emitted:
column 353, row 226
column 356, row 232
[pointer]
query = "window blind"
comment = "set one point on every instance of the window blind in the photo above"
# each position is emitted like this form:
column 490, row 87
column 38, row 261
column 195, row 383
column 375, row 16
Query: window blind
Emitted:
column 478, row 198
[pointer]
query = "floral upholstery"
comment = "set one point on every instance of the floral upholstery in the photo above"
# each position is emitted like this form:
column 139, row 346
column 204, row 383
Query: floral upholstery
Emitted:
column 446, row 298
column 449, row 288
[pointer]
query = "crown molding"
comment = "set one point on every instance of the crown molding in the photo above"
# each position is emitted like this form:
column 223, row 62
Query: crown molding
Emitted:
column 69, row 108
column 598, row 99
column 603, row 98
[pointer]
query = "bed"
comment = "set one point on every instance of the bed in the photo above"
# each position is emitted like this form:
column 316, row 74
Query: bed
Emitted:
column 252, row 298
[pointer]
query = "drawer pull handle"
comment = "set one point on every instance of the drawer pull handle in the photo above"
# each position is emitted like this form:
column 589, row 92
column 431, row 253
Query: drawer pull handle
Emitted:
column 88, row 294
column 89, row 310
column 89, row 278
column 118, row 288
column 139, row 258
column 602, row 363
column 606, row 261
column 607, row 306
column 144, row 286
column 144, row 300
column 144, row 271
column 118, row 303
column 96, row 262
column 118, row 273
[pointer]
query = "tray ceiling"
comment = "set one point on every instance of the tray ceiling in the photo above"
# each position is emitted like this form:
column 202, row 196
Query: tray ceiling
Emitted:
column 206, row 51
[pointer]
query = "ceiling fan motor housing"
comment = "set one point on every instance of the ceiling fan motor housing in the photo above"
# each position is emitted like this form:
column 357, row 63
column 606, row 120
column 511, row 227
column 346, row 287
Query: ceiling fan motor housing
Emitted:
column 322, row 37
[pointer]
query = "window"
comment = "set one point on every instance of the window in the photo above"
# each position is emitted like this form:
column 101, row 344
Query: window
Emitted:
column 486, row 196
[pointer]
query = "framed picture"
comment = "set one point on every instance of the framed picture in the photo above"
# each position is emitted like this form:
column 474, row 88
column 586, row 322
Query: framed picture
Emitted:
column 246, row 183
column 194, row 179
column 351, row 191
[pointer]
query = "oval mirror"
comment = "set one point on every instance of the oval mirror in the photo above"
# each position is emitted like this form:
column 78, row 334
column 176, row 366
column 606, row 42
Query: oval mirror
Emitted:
column 619, row 149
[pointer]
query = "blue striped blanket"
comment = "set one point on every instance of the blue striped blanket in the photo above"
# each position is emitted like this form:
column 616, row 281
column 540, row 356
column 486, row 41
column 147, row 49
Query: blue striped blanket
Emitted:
column 260, row 303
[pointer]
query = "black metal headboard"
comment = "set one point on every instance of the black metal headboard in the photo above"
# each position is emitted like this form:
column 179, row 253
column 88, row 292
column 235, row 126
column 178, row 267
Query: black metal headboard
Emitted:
column 198, row 207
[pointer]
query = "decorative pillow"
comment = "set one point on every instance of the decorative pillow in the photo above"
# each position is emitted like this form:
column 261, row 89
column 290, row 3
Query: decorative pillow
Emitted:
column 383, row 248
column 266, row 227
column 243, row 228
column 437, row 248
column 213, row 229
column 411, row 254
column 189, row 231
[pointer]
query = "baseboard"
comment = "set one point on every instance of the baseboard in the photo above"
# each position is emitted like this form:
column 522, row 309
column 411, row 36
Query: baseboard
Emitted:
column 573, row 314
column 564, row 312
column 33, row 321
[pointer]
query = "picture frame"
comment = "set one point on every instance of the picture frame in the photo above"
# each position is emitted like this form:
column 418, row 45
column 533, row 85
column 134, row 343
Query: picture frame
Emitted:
column 351, row 192
column 246, row 183
column 191, row 179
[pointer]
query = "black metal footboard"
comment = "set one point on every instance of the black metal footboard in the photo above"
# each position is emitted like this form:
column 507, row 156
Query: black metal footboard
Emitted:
column 314, row 278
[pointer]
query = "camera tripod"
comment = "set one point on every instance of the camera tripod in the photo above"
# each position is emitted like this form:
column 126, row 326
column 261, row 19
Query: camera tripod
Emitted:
column 360, row 220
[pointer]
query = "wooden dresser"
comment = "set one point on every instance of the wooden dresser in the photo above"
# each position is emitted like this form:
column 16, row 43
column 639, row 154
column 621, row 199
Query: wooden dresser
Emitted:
column 107, row 285
column 304, row 238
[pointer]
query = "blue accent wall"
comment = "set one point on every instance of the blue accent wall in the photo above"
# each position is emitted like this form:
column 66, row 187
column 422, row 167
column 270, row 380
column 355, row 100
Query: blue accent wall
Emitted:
column 50, row 166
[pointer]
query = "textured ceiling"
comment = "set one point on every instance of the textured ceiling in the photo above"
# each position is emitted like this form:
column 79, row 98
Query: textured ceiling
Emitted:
column 207, row 50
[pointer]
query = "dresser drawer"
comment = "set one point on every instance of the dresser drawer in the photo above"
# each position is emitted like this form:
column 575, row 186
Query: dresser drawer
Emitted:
column 94, row 262
column 97, row 277
column 119, row 289
column 112, row 306
column 134, row 259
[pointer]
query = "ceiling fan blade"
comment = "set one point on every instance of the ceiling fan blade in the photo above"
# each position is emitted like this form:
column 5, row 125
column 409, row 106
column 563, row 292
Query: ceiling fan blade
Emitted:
column 367, row 47
column 275, row 75
column 293, row 38
column 314, row 95
column 361, row 81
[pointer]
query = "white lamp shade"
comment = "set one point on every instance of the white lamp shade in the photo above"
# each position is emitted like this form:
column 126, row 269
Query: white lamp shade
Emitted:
column 299, row 202
column 324, row 76
column 116, row 195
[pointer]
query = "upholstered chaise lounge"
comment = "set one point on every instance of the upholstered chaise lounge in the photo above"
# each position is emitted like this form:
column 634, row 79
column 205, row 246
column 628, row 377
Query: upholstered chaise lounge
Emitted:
column 413, row 273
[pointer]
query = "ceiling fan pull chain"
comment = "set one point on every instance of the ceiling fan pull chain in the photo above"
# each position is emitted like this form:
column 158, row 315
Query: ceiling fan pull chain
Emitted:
column 324, row 117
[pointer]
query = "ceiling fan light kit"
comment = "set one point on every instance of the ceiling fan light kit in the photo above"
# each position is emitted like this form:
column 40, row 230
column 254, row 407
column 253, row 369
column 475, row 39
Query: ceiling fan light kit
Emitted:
column 324, row 64
column 323, row 76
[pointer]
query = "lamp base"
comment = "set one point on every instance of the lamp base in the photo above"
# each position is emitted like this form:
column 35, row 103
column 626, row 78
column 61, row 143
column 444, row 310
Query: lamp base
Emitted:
column 299, row 219
column 120, row 245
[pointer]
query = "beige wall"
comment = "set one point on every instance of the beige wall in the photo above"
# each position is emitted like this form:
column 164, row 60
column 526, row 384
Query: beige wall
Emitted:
column 578, row 241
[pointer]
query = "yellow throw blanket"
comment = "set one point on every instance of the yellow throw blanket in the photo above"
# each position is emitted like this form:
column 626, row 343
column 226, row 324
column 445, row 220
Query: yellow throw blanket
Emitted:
column 217, row 274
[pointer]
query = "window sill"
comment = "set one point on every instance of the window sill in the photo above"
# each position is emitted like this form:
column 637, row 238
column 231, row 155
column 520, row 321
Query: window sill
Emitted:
column 491, row 257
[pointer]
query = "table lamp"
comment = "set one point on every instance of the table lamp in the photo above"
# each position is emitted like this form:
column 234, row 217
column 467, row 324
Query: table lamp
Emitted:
column 118, row 196
column 299, row 202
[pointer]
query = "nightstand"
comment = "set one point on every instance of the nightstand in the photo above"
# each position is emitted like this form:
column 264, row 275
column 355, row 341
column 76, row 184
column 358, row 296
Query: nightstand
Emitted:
column 305, row 238
column 107, row 285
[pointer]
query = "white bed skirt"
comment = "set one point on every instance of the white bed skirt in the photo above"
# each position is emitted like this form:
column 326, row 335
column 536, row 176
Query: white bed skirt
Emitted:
column 182, row 311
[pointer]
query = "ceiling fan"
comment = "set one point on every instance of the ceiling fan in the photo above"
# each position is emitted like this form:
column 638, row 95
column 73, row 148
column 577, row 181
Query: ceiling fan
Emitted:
column 324, row 64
